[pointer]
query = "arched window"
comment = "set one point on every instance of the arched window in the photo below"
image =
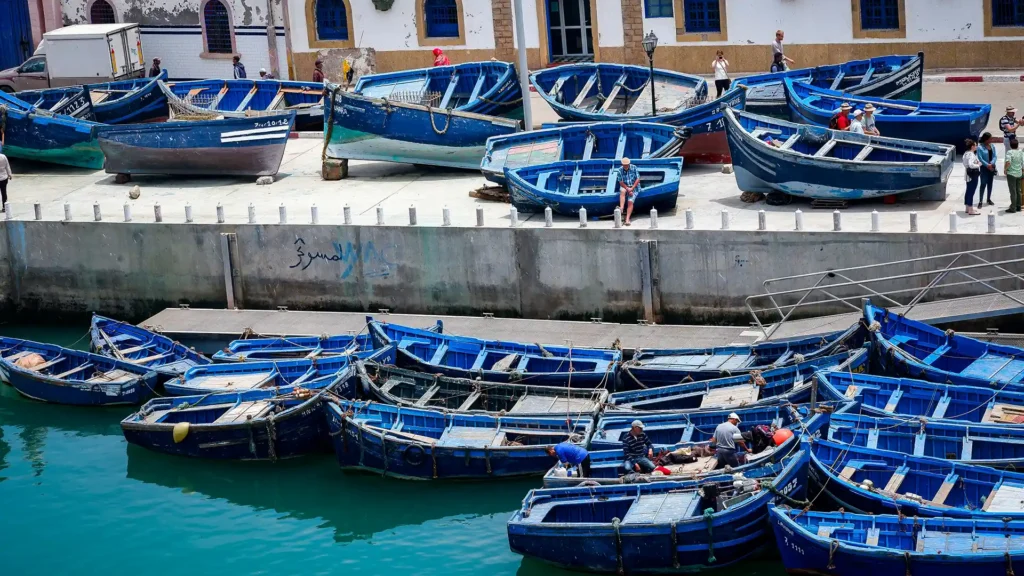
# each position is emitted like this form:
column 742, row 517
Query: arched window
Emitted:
column 442, row 18
column 217, row 27
column 331, row 20
column 101, row 12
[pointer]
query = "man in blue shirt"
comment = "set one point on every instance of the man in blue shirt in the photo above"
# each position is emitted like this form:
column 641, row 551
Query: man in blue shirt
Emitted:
column 629, row 187
column 573, row 455
column 638, row 449
column 239, row 67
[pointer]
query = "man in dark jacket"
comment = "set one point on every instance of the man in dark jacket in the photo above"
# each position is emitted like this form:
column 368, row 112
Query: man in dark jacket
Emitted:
column 155, row 70
column 239, row 67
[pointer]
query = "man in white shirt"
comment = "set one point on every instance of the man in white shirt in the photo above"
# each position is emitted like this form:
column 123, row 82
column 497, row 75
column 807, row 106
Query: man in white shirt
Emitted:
column 857, row 125
column 777, row 48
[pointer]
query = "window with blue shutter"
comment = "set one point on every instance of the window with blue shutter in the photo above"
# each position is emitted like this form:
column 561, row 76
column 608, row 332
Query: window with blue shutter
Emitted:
column 331, row 20
column 658, row 8
column 702, row 16
column 442, row 18
column 879, row 14
column 1008, row 12
column 217, row 22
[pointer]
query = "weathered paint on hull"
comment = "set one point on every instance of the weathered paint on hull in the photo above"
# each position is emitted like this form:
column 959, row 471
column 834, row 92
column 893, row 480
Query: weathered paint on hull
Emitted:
column 82, row 155
column 707, row 148
column 247, row 161
column 355, row 145
column 748, row 182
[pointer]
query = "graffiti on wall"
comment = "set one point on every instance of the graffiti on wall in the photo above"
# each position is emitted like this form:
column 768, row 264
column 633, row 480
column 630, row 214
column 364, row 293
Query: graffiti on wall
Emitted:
column 376, row 261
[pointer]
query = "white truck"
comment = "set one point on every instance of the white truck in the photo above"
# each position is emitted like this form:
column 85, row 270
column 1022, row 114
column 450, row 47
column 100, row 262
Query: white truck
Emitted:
column 80, row 54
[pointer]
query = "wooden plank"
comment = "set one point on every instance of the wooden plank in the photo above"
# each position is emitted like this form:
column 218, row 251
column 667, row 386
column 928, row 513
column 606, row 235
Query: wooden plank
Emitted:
column 85, row 366
column 588, row 148
column 851, row 391
column 620, row 150
column 1004, row 414
column 470, row 401
column 149, row 359
column 248, row 97
column 839, row 78
column 789, row 142
column 113, row 348
column 943, row 492
column 586, row 90
column 558, row 84
column 613, row 94
column 449, row 91
column 478, row 87
column 864, row 152
column 428, row 395
column 506, row 364
column 731, row 396
column 243, row 410
column 647, row 146
column 577, row 176
column 896, row 480
column 111, row 377
column 825, row 149
column 1007, row 498
column 14, row 357
column 46, row 365
column 847, row 473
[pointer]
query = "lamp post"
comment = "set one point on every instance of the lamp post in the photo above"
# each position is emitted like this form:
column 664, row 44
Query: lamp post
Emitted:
column 650, row 44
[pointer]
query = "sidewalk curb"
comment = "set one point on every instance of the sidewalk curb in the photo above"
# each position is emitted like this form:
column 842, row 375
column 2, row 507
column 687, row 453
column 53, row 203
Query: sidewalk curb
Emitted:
column 1003, row 78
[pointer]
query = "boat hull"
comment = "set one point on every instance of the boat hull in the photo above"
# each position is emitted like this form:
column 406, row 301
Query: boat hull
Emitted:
column 49, row 390
column 147, row 104
column 54, row 139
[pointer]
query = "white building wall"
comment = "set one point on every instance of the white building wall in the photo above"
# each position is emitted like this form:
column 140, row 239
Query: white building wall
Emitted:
column 945, row 20
column 532, row 30
column 609, row 23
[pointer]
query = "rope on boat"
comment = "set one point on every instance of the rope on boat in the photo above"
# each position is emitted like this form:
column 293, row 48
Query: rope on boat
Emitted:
column 1009, row 565
column 618, row 545
column 447, row 121
column 709, row 517
column 271, row 437
column 906, row 560
column 330, row 124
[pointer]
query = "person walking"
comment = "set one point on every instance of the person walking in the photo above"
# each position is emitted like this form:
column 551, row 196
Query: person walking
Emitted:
column 1013, row 167
column 721, row 67
column 973, row 168
column 629, row 187
column 987, row 157
column 239, row 67
column 1008, row 124
column 5, row 176
column 778, row 49
column 318, row 71
column 440, row 58
column 155, row 70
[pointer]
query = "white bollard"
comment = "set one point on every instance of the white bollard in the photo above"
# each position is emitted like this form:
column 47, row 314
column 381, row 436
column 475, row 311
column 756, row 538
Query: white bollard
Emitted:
column 412, row 215
column 913, row 221
column 380, row 215
column 314, row 214
column 347, row 213
column 38, row 209
column 725, row 219
column 127, row 212
column 158, row 213
column 220, row 213
column 480, row 216
column 7, row 211
column 252, row 214
column 282, row 214
column 762, row 220
column 513, row 217
column 991, row 221
column 837, row 221
column 67, row 212
column 617, row 218
column 188, row 213
column 874, row 221
column 96, row 215
column 446, row 216
column 689, row 219
column 799, row 220
column 549, row 217
column 583, row 217
column 654, row 218
column 952, row 222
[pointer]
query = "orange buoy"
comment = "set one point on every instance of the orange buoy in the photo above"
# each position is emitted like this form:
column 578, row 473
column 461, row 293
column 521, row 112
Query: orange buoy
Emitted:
column 781, row 435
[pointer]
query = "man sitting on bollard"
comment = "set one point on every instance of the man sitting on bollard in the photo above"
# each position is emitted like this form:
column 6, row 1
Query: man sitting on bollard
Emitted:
column 638, row 449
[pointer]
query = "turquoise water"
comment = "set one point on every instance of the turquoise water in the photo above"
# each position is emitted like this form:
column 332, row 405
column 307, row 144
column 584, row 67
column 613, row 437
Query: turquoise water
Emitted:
column 75, row 498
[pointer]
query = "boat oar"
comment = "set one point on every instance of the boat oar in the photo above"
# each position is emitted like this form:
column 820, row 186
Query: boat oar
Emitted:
column 113, row 348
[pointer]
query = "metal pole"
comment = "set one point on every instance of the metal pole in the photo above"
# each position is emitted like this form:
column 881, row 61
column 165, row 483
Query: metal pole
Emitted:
column 524, row 70
column 654, row 106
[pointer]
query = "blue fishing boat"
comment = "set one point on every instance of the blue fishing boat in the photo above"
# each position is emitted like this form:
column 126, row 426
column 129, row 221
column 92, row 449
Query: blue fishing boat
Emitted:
column 789, row 383
column 281, row 375
column 772, row 155
column 401, row 387
column 69, row 101
column 365, row 128
column 489, row 88
column 845, row 544
column 909, row 348
column 894, row 77
column 414, row 443
column 589, row 92
column 136, row 345
column 984, row 444
column 940, row 122
column 293, row 347
column 37, row 135
column 904, row 397
column 867, row 480
column 690, row 456
column 568, row 187
column 656, row 528
column 226, row 147
column 250, row 425
column 128, row 101
column 604, row 140
column 59, row 375
column 496, row 360
column 240, row 98
column 665, row 366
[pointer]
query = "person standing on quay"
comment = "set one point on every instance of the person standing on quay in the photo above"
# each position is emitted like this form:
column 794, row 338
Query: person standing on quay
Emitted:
column 318, row 71
column 1013, row 167
column 1008, row 124
column 440, row 58
column 778, row 49
column 5, row 176
column 973, row 169
column 721, row 67
column 987, row 157
column 239, row 67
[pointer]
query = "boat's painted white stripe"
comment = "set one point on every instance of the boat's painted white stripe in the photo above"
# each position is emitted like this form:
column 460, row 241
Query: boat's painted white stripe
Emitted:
column 281, row 135
column 254, row 131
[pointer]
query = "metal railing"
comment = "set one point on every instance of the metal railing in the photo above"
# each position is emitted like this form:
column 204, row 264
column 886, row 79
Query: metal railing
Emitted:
column 961, row 275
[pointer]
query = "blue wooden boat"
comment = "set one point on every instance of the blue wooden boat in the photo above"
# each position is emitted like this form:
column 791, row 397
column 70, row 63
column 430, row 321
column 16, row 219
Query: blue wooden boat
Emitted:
column 489, row 88
column 496, row 360
column 940, row 122
column 606, row 457
column 909, row 348
column 37, row 135
column 904, row 397
column 401, row 387
column 659, row 527
column 250, row 425
column 617, row 92
column 240, row 98
column 69, row 101
column 226, row 147
column 128, row 101
column 364, row 128
column 867, row 480
column 568, row 187
column 604, row 140
column 845, row 544
column 665, row 366
column 414, row 443
column 136, row 345
column 281, row 375
column 983, row 444
column 74, row 377
column 894, row 77
column 790, row 383
column 293, row 347
column 772, row 155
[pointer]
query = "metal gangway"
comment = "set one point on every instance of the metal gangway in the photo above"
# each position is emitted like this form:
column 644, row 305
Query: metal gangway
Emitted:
column 968, row 285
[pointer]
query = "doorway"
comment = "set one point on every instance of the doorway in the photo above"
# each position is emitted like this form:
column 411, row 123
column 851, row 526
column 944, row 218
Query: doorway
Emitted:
column 570, row 31
column 15, row 34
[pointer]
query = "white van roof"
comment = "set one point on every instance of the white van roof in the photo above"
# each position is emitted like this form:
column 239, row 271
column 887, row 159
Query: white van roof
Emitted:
column 85, row 31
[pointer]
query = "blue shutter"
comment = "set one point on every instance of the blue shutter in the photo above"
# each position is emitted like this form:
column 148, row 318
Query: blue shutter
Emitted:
column 1008, row 12
column 442, row 18
column 702, row 16
column 331, row 20
column 879, row 14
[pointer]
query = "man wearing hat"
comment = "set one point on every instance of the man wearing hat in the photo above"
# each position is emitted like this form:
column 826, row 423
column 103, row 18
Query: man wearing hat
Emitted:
column 638, row 449
column 264, row 75
column 1008, row 124
column 841, row 120
column 318, row 70
column 857, row 125
column 869, row 120
column 629, row 188
column 155, row 70
column 727, row 437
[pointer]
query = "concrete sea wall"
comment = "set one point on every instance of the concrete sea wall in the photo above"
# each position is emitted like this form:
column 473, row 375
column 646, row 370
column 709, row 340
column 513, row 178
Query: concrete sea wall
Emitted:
column 132, row 270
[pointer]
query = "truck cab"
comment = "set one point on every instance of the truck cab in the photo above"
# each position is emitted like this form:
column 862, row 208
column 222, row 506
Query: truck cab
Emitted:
column 31, row 75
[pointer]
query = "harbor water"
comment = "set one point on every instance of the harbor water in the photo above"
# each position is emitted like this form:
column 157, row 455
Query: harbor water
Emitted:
column 76, row 499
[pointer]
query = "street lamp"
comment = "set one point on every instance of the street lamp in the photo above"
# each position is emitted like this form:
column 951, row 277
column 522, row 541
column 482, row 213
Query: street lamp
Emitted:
column 650, row 44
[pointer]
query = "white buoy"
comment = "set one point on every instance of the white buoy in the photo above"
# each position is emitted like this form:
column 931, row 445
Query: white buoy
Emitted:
column 913, row 221
column 480, row 216
column 952, row 222
column 991, row 221
column 38, row 209
column 380, row 215
column 837, row 221
column 513, row 217
column 725, row 219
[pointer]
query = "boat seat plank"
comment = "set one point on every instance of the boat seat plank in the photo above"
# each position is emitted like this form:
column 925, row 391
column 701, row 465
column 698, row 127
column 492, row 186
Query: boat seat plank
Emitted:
column 620, row 150
column 896, row 480
column 469, row 437
column 1007, row 498
column 46, row 365
column 535, row 404
column 864, row 152
column 901, row 339
column 112, row 377
column 825, row 149
column 662, row 508
column 867, row 76
column 446, row 100
column 987, row 366
column 542, row 179
column 943, row 492
column 231, row 381
column 439, row 353
column 588, row 149
column 135, row 349
column 762, row 132
column 506, row 364
column 149, row 359
column 245, row 101
column 1004, row 414
column 277, row 102
column 243, row 411
column 392, row 382
column 940, row 408
column 731, row 396
column 919, row 443
column 585, row 91
column 647, row 146
column 610, row 99
column 407, row 435
column 81, row 368
column 21, row 354
column 610, row 184
column 789, row 142
column 577, row 177
column 428, row 395
column 478, row 87
column 936, row 354
column 468, row 403
column 838, row 80
column 558, row 84
column 1011, row 372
